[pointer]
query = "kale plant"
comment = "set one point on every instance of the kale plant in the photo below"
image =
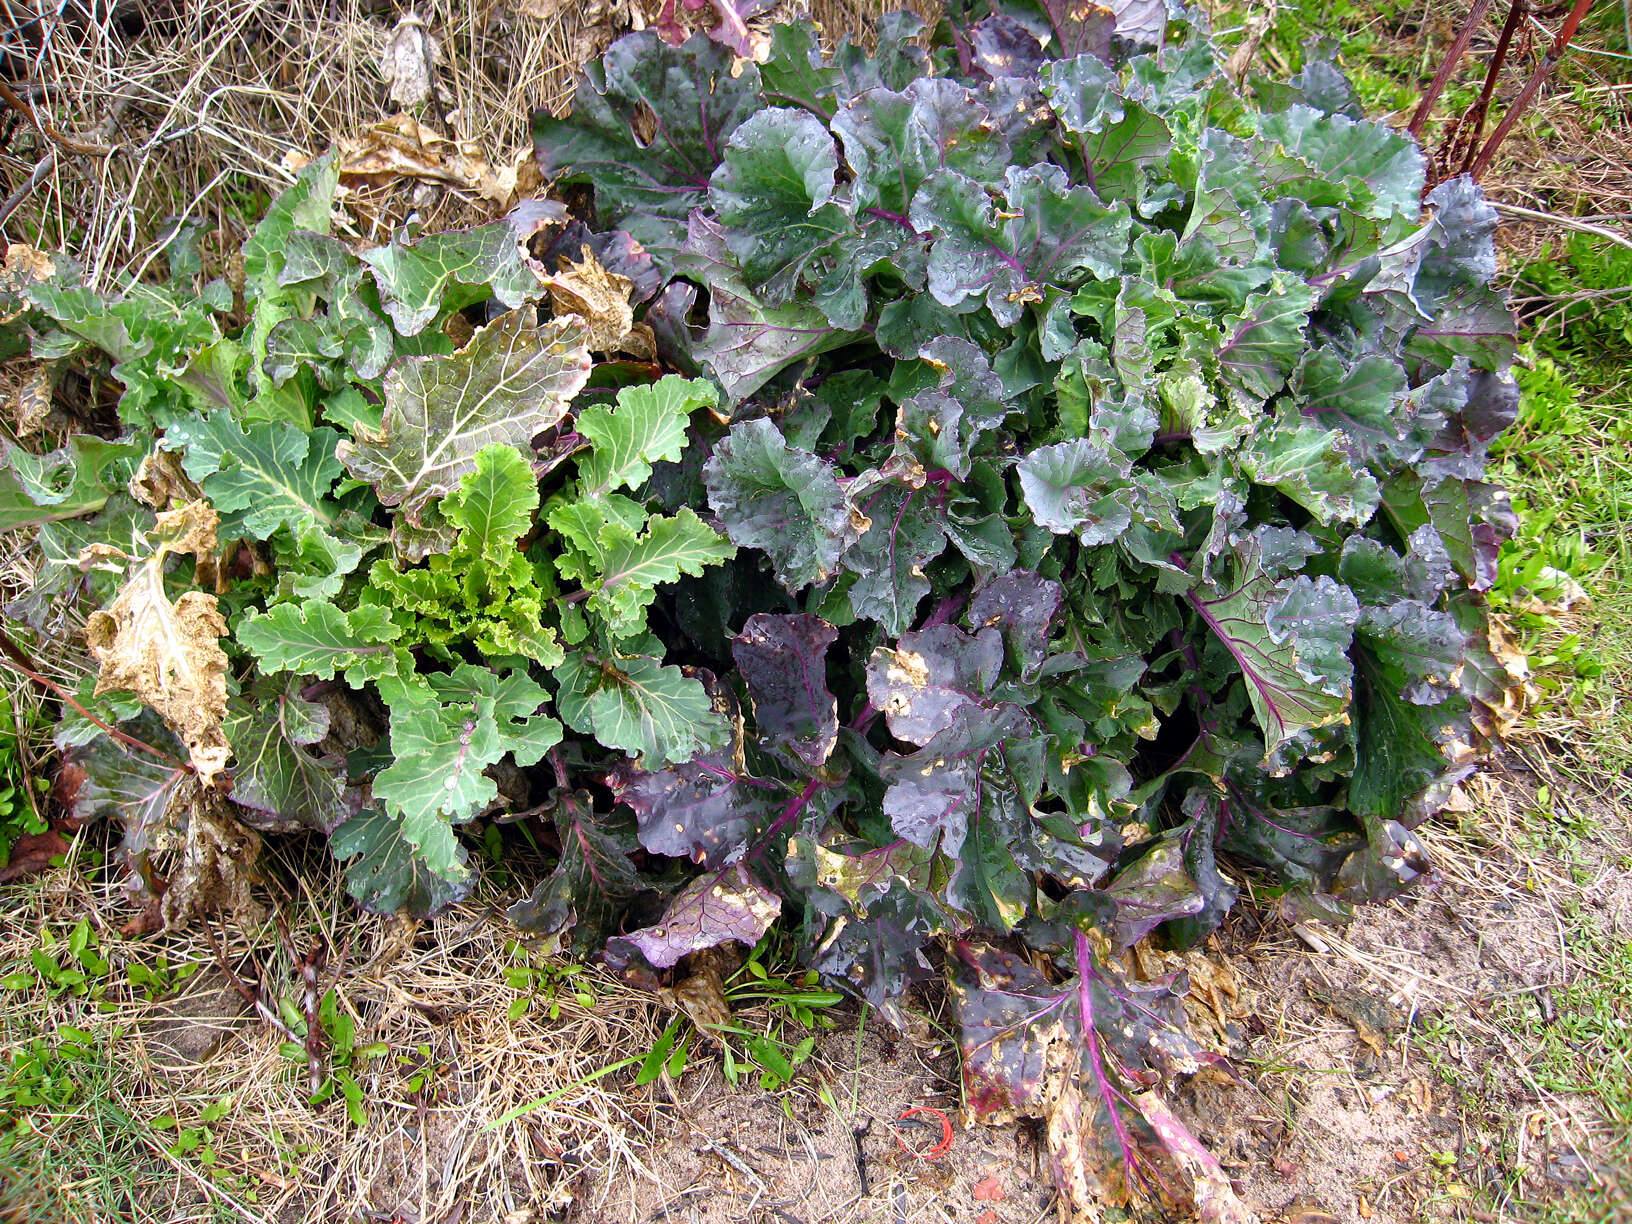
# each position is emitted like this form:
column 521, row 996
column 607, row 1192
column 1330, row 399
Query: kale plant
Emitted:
column 993, row 491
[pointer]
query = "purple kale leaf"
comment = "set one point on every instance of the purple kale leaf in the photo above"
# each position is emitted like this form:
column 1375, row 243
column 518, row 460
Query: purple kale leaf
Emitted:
column 715, row 908
column 783, row 661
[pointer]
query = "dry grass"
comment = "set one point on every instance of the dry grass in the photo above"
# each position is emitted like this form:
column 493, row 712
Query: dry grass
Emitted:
column 206, row 103
column 202, row 108
column 436, row 996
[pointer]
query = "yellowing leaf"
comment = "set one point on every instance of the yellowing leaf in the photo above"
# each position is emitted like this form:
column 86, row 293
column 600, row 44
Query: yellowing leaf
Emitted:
column 169, row 654
column 511, row 382
column 23, row 266
column 599, row 296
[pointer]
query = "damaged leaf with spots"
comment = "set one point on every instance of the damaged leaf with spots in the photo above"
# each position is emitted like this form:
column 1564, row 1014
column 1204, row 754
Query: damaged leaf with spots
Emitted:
column 719, row 907
column 924, row 681
column 1084, row 1055
column 168, row 652
column 599, row 297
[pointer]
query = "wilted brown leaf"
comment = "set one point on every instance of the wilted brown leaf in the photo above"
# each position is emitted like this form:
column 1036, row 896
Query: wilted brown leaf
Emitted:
column 408, row 61
column 402, row 147
column 31, row 854
column 600, row 297
column 1497, row 718
column 169, row 654
column 214, row 866
column 24, row 266
column 31, row 401
column 701, row 997
column 159, row 482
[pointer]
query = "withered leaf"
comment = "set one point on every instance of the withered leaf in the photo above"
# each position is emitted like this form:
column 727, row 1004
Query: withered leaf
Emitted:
column 701, row 996
column 31, row 401
column 24, row 266
column 408, row 61
column 599, row 296
column 401, row 147
column 213, row 870
column 169, row 654
column 159, row 481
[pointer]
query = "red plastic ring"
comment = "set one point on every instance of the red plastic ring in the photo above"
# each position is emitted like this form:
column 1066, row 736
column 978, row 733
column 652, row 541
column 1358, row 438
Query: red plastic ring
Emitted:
column 941, row 1148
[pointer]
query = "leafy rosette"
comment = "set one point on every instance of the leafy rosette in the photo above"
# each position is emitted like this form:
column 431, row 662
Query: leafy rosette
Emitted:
column 1002, row 488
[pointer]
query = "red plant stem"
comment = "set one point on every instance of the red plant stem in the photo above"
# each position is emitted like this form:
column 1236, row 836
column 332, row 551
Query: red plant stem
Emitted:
column 1459, row 46
column 1531, row 87
column 1481, row 109
column 790, row 812
column 24, row 664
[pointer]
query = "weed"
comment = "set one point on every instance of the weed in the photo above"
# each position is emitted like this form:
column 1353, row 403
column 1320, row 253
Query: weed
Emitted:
column 84, row 1153
column 544, row 983
column 772, row 1050
column 346, row 1059
column 18, row 817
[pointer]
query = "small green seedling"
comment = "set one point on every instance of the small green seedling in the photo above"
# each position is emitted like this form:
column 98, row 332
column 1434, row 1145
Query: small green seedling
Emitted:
column 345, row 1057
column 545, row 983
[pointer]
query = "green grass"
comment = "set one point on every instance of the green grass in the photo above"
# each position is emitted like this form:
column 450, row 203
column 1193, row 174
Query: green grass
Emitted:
column 69, row 1151
column 18, row 816
column 1568, row 464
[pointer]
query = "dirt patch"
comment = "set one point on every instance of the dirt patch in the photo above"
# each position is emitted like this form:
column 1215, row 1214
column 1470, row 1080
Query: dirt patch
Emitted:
column 1387, row 1084
column 185, row 1031
column 727, row 1155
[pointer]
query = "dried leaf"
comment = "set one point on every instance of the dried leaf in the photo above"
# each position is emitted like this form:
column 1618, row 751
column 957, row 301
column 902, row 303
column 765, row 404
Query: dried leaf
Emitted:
column 402, row 147
column 408, row 62
column 159, row 481
column 31, row 402
column 169, row 654
column 24, row 266
column 213, row 871
column 701, row 996
column 31, row 854
column 599, row 296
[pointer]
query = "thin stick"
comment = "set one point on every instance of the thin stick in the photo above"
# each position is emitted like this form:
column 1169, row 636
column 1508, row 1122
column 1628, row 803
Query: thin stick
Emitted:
column 1467, row 140
column 1531, row 87
column 251, row 994
column 1459, row 46
column 36, row 177
column 18, row 103
column 1569, row 223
